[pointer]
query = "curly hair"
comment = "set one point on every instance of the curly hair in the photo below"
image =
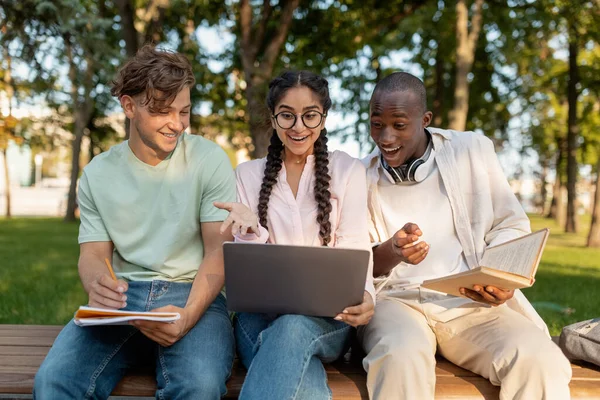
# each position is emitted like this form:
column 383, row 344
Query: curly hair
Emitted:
column 277, row 89
column 156, row 75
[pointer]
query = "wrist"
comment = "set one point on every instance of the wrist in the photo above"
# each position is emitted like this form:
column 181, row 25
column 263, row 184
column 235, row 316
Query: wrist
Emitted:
column 396, row 251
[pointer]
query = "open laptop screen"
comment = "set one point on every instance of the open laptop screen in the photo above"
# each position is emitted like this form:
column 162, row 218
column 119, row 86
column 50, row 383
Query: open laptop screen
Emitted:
column 285, row 279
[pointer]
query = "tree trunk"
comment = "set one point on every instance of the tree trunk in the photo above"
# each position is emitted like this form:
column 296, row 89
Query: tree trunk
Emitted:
column 150, row 23
column 466, row 43
column 561, row 206
column 553, row 203
column 572, row 135
column 82, row 112
column 552, row 212
column 439, row 88
column 594, row 234
column 9, row 94
column 260, row 127
column 7, row 181
column 543, row 190
column 259, row 53
column 130, row 35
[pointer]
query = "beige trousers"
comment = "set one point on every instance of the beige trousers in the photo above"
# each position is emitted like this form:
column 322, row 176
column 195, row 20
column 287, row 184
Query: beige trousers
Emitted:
column 497, row 343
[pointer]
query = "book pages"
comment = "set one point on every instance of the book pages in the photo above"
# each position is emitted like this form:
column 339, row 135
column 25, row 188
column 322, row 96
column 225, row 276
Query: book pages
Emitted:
column 91, row 316
column 519, row 256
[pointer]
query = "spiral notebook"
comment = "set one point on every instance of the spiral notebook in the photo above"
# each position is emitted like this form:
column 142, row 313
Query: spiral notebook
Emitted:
column 91, row 316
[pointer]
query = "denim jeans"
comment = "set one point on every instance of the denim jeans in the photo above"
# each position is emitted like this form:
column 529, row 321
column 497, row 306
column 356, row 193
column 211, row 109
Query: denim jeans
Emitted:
column 88, row 362
column 284, row 354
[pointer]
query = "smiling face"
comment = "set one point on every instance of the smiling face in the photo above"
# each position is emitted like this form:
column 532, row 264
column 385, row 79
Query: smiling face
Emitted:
column 298, row 139
column 154, row 134
column 398, row 124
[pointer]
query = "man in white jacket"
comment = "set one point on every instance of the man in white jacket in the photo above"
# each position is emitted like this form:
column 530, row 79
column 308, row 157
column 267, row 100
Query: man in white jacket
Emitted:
column 450, row 186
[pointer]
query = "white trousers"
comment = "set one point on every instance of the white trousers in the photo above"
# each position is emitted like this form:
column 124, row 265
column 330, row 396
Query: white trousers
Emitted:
column 497, row 343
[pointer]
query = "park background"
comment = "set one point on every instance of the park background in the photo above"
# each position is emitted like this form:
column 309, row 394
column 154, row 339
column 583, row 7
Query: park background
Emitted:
column 524, row 73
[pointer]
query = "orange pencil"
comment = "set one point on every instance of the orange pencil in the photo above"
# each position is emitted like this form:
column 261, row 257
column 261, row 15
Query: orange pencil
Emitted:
column 112, row 273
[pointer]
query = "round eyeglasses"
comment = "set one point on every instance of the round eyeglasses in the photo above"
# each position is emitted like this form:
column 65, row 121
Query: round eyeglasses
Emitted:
column 310, row 119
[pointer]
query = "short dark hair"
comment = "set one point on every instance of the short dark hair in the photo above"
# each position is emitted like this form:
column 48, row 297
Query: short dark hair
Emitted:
column 158, row 75
column 403, row 82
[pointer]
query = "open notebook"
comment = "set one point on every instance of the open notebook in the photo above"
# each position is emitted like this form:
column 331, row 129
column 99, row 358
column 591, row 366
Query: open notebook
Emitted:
column 510, row 265
column 90, row 316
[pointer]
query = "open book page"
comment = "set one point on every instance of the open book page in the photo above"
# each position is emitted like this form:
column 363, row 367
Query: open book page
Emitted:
column 519, row 256
column 90, row 316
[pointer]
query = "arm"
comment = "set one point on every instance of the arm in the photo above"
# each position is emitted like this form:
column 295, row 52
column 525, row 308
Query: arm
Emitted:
column 245, row 227
column 207, row 285
column 102, row 290
column 211, row 276
column 510, row 220
column 353, row 232
column 94, row 247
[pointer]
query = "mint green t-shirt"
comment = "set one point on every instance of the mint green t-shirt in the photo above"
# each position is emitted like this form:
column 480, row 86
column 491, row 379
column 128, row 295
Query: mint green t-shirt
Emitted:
column 153, row 214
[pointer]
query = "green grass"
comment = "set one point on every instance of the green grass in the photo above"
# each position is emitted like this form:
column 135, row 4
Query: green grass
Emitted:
column 568, row 278
column 39, row 283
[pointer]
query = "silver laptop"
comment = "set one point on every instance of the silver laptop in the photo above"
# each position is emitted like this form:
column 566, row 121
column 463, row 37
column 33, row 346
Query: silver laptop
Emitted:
column 282, row 279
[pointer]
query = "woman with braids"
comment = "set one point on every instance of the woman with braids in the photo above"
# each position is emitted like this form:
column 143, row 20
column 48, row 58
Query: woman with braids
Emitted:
column 299, row 195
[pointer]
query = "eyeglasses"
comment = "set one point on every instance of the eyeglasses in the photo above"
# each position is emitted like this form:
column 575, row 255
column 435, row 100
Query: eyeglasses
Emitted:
column 310, row 119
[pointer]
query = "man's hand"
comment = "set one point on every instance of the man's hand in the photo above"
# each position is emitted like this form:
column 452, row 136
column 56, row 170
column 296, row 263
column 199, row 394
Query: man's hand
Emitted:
column 162, row 333
column 360, row 314
column 488, row 294
column 241, row 218
column 403, row 244
column 105, row 292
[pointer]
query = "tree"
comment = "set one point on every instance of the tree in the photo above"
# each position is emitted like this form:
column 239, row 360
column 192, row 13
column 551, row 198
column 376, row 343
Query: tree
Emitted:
column 465, row 55
column 593, row 239
column 262, row 35
column 7, row 127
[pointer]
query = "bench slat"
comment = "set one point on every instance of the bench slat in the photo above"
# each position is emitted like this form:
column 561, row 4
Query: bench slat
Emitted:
column 38, row 341
column 30, row 330
column 23, row 348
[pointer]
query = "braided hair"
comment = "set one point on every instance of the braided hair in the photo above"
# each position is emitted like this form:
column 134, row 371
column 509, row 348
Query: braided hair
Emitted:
column 277, row 89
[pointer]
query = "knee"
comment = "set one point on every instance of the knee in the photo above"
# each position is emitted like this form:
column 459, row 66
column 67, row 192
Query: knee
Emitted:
column 293, row 329
column 43, row 380
column 394, row 355
column 205, row 385
column 47, row 382
column 546, row 361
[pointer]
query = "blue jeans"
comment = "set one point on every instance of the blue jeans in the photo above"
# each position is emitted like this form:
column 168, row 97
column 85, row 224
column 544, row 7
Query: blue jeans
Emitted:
column 284, row 354
column 88, row 362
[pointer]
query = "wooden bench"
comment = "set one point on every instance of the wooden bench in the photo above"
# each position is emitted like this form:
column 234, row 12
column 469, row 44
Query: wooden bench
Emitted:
column 23, row 348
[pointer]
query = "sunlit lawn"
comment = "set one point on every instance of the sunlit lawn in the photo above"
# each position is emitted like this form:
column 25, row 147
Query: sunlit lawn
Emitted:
column 39, row 283
column 567, row 287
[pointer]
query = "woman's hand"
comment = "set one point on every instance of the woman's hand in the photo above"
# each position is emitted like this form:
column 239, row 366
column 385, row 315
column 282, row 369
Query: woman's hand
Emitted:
column 360, row 314
column 241, row 218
